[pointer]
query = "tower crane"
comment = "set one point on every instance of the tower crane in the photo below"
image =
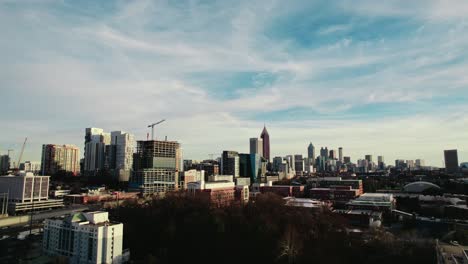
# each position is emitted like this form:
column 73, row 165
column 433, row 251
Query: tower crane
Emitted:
column 21, row 154
column 152, row 127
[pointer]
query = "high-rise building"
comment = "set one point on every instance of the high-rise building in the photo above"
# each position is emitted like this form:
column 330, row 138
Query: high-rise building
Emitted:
column 84, row 238
column 230, row 163
column 332, row 155
column 256, row 146
column 420, row 163
column 277, row 161
column 381, row 162
column 96, row 141
column 340, row 154
column 266, row 144
column 31, row 166
column 119, row 154
column 324, row 153
column 368, row 158
column 451, row 161
column 347, row 160
column 290, row 160
column 156, row 165
column 311, row 152
column 4, row 163
column 298, row 163
column 250, row 166
column 56, row 158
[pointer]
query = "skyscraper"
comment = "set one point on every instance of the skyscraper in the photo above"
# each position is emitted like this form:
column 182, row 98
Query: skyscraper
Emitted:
column 230, row 163
column 96, row 141
column 333, row 155
column 298, row 163
column 340, row 154
column 156, row 166
column 420, row 163
column 266, row 144
column 57, row 158
column 256, row 146
column 311, row 151
column 451, row 161
column 324, row 152
column 4, row 163
column 369, row 158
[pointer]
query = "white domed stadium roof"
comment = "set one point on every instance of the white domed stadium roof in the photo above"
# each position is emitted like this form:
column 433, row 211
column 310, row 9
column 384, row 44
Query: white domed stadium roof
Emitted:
column 419, row 187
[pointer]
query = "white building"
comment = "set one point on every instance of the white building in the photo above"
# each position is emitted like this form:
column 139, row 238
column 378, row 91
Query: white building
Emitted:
column 28, row 192
column 256, row 146
column 96, row 141
column 84, row 238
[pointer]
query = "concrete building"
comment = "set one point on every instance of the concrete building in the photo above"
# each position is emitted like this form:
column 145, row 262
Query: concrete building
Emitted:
column 369, row 158
column 96, row 141
column 332, row 155
column 27, row 192
column 84, row 238
column 383, row 202
column 191, row 176
column 156, row 166
column 256, row 146
column 277, row 161
column 266, row 144
column 340, row 154
column 31, row 166
column 451, row 161
column 230, row 163
column 347, row 160
column 60, row 158
column 119, row 154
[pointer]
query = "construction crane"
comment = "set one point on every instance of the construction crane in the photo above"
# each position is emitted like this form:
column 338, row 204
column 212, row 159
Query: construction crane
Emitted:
column 152, row 127
column 21, row 154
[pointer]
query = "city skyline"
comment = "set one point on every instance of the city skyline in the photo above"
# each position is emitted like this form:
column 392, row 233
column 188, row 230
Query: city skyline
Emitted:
column 385, row 79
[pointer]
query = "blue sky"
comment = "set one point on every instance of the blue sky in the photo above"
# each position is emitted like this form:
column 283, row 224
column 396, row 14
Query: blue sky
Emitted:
column 375, row 78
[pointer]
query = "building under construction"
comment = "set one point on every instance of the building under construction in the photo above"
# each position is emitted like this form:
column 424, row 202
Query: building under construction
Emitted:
column 156, row 165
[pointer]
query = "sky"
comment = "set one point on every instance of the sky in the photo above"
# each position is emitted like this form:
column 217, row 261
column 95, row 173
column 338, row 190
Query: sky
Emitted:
column 374, row 78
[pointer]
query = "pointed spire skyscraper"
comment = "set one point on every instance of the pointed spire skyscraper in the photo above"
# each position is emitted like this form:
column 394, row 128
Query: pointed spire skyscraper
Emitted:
column 266, row 143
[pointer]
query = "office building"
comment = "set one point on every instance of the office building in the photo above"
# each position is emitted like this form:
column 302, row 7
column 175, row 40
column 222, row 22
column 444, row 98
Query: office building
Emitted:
column 230, row 163
column 340, row 154
column 324, row 152
column 332, row 155
column 156, row 166
column 420, row 163
column 298, row 163
column 347, row 160
column 211, row 167
column 250, row 165
column 28, row 192
column 60, row 158
column 368, row 158
column 311, row 152
column 277, row 161
column 96, row 141
column 451, row 161
column 84, row 238
column 266, row 144
column 256, row 146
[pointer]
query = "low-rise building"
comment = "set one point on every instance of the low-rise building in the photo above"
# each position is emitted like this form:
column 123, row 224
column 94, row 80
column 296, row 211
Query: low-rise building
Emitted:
column 219, row 193
column 383, row 202
column 284, row 190
column 84, row 238
column 27, row 192
column 334, row 193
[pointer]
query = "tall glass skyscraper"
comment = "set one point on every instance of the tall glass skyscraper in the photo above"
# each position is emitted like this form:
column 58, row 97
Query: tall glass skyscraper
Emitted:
column 266, row 144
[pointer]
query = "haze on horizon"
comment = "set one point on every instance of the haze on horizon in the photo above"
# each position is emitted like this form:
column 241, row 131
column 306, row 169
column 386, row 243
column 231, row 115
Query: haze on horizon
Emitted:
column 374, row 78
